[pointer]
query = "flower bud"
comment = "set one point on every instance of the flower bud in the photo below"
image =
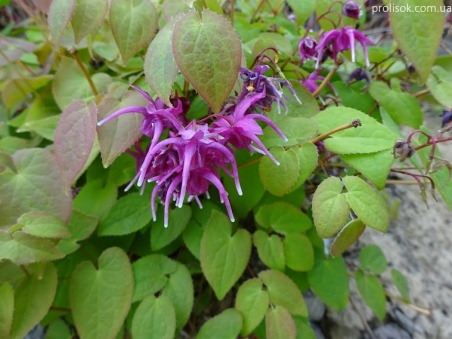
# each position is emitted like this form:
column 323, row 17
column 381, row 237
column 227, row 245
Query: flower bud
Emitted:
column 307, row 47
column 359, row 74
column 447, row 117
column 351, row 9
column 403, row 150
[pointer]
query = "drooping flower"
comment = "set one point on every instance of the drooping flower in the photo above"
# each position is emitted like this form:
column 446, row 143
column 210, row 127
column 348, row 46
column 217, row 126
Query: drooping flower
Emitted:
column 351, row 9
column 447, row 117
column 360, row 74
column 311, row 82
column 342, row 40
column 307, row 47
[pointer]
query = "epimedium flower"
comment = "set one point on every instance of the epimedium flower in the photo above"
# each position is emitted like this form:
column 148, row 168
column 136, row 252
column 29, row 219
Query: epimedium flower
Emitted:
column 360, row 74
column 311, row 82
column 351, row 9
column 307, row 47
column 337, row 40
column 447, row 117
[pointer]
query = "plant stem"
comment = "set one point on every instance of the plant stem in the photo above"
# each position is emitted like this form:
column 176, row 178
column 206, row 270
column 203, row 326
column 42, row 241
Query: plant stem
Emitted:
column 430, row 144
column 416, row 308
column 355, row 123
column 421, row 93
column 232, row 12
column 325, row 82
column 401, row 182
column 85, row 72
column 259, row 7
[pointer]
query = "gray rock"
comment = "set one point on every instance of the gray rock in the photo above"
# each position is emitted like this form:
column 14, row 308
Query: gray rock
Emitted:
column 391, row 331
column 315, row 306
column 36, row 332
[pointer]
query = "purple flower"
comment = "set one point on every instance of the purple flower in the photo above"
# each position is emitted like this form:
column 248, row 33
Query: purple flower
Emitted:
column 342, row 40
column 447, row 117
column 351, row 9
column 311, row 82
column 360, row 74
column 307, row 49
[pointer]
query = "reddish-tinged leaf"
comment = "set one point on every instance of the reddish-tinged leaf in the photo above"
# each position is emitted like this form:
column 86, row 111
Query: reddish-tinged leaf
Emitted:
column 60, row 13
column 88, row 15
column 208, row 53
column 279, row 324
column 133, row 23
column 119, row 134
column 74, row 139
column 43, row 5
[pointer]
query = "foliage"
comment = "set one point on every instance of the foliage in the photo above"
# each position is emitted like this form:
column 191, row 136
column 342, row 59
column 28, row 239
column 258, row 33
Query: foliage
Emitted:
column 113, row 112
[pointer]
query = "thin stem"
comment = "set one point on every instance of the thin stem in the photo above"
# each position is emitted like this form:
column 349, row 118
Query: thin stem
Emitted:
column 428, row 143
column 85, row 72
column 249, row 162
column 232, row 12
column 22, row 267
column 261, row 4
column 355, row 123
column 363, row 320
column 401, row 182
column 421, row 93
column 324, row 82
column 416, row 308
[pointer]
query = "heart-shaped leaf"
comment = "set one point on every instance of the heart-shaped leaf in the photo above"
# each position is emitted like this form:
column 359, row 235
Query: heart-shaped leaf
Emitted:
column 298, row 252
column 373, row 259
column 440, row 85
column 226, row 325
column 133, row 23
column 45, row 225
column 279, row 324
column 60, row 13
column 223, row 257
column 208, row 53
column 283, row 218
column 87, row 16
column 162, row 236
column 270, row 249
column 347, row 236
column 102, row 293
column 372, row 292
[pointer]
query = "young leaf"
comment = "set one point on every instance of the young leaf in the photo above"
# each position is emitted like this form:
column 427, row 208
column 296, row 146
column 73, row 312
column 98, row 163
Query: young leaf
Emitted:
column 373, row 259
column 329, row 281
column 401, row 283
column 130, row 214
column 226, row 325
column 329, row 207
column 372, row 292
column 154, row 318
column 179, row 289
column 32, row 300
column 22, row 248
column 283, row 218
column 347, row 236
column 440, row 85
column 223, row 258
column 418, row 33
column 279, row 324
column 212, row 74
column 6, row 309
column 252, row 302
column 87, row 16
column 74, row 139
column 402, row 107
column 370, row 137
column 279, row 179
column 270, row 250
column 284, row 292
column 102, row 293
column 366, row 203
column 150, row 274
column 133, row 23
column 43, row 224
column 60, row 13
column 119, row 134
column 298, row 252
column 160, row 67
column 162, row 236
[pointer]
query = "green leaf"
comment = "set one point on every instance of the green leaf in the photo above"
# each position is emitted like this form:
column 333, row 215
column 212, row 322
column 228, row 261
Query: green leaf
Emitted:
column 368, row 138
column 279, row 324
column 302, row 9
column 304, row 331
column 283, row 218
column 32, row 300
column 440, row 85
column 133, row 23
column 119, row 134
column 192, row 236
column 102, row 293
column 374, row 166
column 298, row 252
column 58, row 330
column 60, row 13
column 178, row 220
column 252, row 302
column 6, row 309
column 354, row 95
column 87, row 16
column 329, row 207
column 366, row 203
column 18, row 89
column 308, row 155
column 96, row 199
column 171, row 8
column 296, row 130
column 284, row 292
column 10, row 273
column 270, row 250
column 155, row 318
column 372, row 292
column 373, row 259
column 329, row 281
column 401, row 283
column 129, row 214
column 347, row 236
column 223, row 258
column 279, row 179
column 159, row 66
column 418, row 33
column 74, row 139
column 42, row 224
column 70, row 83
column 226, row 325
column 150, row 274
column 208, row 53
column 179, row 289
column 81, row 226
column 22, row 248
column 402, row 107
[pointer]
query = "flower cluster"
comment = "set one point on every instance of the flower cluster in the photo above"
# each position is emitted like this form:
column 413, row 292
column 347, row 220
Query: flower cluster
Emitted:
column 188, row 161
